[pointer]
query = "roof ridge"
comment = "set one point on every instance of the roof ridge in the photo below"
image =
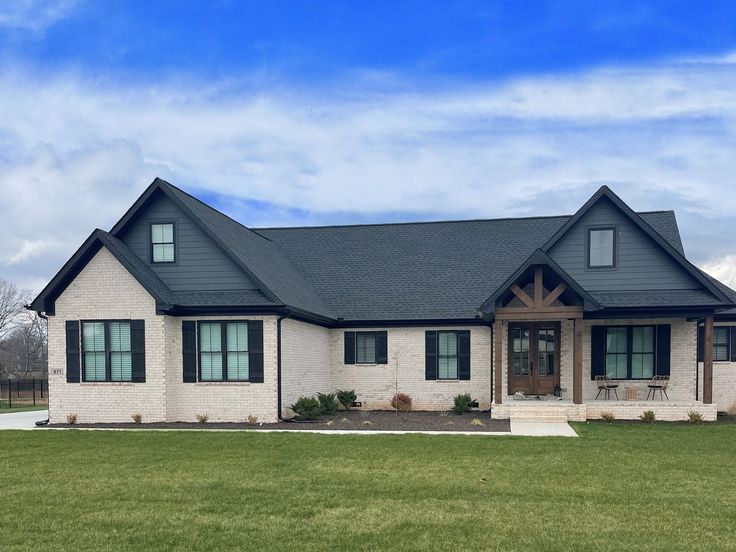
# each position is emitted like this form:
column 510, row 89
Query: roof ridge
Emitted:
column 199, row 201
column 447, row 221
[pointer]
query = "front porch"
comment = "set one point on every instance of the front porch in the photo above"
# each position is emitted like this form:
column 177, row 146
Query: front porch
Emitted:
column 550, row 339
column 567, row 411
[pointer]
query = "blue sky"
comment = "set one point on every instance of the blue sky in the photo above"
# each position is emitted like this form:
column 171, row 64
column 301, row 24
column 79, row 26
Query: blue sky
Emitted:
column 294, row 112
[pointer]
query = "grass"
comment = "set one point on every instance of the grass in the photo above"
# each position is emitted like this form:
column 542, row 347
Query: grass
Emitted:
column 21, row 407
column 617, row 487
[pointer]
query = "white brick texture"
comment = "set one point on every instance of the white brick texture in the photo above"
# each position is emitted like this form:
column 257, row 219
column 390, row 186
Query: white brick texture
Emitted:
column 305, row 361
column 375, row 384
column 105, row 290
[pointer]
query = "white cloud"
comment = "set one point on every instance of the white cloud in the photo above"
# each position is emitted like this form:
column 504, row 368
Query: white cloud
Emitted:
column 74, row 154
column 723, row 269
column 34, row 15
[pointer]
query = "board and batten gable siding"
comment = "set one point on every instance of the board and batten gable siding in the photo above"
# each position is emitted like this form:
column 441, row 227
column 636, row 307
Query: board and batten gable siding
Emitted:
column 641, row 264
column 200, row 264
column 104, row 290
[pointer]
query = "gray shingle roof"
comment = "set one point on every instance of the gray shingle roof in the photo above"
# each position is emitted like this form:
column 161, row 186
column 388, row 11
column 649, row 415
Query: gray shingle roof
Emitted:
column 656, row 298
column 420, row 270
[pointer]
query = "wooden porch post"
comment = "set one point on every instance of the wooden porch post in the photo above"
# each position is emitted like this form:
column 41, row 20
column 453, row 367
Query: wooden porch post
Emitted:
column 708, row 360
column 577, row 362
column 498, row 360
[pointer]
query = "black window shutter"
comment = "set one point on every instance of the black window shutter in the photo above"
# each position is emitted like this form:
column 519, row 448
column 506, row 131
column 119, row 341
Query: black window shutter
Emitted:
column 72, row 351
column 381, row 347
column 255, row 351
column 189, row 350
column 733, row 344
column 663, row 350
column 463, row 354
column 349, row 347
column 430, row 355
column 597, row 351
column 701, row 342
column 138, row 349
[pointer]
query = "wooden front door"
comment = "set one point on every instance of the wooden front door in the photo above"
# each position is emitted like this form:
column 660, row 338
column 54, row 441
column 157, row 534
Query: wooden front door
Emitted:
column 534, row 357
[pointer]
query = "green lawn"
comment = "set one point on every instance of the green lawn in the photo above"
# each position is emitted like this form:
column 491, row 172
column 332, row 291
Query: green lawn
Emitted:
column 617, row 487
column 20, row 407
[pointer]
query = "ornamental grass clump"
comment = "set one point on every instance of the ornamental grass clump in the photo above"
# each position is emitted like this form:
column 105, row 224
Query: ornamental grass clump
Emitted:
column 607, row 417
column 462, row 403
column 346, row 398
column 648, row 416
column 307, row 408
column 401, row 402
column 328, row 402
column 694, row 417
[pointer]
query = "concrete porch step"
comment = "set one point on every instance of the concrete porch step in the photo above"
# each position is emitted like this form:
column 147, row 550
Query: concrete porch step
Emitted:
column 539, row 417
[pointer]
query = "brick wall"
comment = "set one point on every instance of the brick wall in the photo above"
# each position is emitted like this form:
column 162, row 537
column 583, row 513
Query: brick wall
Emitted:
column 375, row 384
column 305, row 361
column 105, row 290
column 221, row 401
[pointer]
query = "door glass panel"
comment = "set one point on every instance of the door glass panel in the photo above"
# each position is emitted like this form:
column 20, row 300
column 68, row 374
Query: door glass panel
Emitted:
column 546, row 351
column 520, row 351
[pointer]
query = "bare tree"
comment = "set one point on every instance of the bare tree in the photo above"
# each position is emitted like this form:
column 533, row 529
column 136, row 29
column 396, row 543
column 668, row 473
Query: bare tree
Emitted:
column 23, row 350
column 11, row 305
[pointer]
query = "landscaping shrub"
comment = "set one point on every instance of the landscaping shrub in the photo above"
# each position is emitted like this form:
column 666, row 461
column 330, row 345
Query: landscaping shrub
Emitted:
column 328, row 402
column 648, row 416
column 346, row 398
column 307, row 408
column 476, row 422
column 71, row 419
column 607, row 416
column 694, row 417
column 252, row 420
column 463, row 403
column 202, row 418
column 401, row 402
column 137, row 418
column 731, row 410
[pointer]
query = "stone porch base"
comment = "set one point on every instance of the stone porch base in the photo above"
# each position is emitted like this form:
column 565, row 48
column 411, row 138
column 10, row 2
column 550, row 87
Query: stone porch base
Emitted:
column 564, row 411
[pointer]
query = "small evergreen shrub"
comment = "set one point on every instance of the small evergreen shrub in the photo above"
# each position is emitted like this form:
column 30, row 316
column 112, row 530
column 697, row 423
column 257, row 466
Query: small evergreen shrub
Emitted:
column 401, row 402
column 137, row 418
column 463, row 403
column 346, row 398
column 202, row 418
column 607, row 417
column 694, row 417
column 328, row 402
column 307, row 408
column 71, row 419
column 648, row 416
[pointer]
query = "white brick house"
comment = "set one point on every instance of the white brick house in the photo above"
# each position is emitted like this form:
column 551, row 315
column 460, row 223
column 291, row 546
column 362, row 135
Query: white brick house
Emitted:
column 179, row 311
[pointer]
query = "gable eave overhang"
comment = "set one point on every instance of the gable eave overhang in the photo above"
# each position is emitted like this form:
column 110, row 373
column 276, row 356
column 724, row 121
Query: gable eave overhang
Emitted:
column 539, row 257
column 606, row 192
column 45, row 300
column 164, row 187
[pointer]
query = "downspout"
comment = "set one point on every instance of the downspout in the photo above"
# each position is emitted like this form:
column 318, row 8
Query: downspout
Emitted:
column 490, row 329
column 278, row 362
column 697, row 363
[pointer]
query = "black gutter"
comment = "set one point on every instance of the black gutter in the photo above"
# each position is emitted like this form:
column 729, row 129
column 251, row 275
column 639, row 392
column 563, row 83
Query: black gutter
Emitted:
column 286, row 314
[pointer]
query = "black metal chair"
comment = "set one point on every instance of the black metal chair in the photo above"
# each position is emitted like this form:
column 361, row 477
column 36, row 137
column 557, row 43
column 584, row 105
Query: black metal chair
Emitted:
column 606, row 384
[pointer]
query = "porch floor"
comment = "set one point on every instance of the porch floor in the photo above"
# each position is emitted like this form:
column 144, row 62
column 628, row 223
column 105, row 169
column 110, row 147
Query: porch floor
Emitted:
column 565, row 410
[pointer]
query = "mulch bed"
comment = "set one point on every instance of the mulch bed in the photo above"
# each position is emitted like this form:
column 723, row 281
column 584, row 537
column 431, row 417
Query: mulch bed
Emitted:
column 373, row 420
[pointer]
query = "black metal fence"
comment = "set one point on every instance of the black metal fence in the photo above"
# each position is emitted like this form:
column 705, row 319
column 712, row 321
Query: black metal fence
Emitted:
column 15, row 393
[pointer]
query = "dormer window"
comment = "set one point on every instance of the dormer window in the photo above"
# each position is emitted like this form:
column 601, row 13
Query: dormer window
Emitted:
column 601, row 248
column 162, row 243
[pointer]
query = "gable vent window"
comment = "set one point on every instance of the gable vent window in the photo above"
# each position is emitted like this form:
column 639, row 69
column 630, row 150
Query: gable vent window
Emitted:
column 162, row 243
column 602, row 248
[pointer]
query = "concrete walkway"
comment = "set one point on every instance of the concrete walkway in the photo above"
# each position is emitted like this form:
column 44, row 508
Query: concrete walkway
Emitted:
column 542, row 429
column 22, row 420
column 27, row 420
